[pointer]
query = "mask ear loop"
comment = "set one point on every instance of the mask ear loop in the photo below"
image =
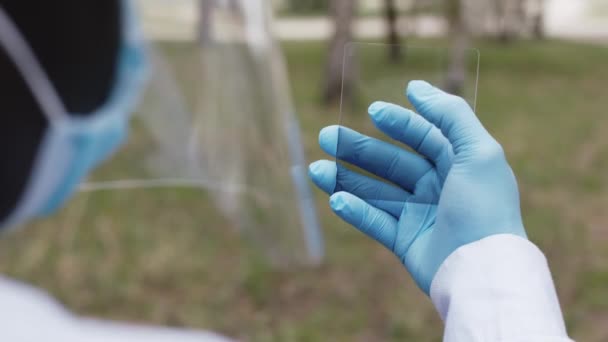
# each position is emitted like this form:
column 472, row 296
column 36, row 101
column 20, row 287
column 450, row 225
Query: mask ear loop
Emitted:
column 19, row 51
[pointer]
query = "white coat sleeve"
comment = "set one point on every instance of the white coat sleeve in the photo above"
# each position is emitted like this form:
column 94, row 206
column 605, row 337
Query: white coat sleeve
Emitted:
column 30, row 315
column 498, row 289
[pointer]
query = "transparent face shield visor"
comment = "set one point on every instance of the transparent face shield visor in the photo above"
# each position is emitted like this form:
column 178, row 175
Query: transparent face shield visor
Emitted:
column 213, row 148
column 381, row 72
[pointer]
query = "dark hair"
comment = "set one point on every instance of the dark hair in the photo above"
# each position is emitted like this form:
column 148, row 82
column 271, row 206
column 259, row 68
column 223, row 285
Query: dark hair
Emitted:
column 76, row 43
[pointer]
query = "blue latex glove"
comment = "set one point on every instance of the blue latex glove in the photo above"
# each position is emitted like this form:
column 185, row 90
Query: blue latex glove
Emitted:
column 457, row 189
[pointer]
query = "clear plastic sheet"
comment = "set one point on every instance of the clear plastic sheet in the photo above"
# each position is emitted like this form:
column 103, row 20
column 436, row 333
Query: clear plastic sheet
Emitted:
column 217, row 117
column 369, row 75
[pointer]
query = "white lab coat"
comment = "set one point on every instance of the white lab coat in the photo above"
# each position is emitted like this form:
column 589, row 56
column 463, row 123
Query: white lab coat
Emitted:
column 495, row 289
column 498, row 289
column 30, row 315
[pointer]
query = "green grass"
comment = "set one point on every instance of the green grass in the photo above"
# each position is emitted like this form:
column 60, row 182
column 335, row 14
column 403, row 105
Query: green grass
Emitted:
column 182, row 264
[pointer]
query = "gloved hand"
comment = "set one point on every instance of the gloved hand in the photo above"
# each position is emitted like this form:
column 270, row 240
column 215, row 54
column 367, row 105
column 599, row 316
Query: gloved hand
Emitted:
column 458, row 189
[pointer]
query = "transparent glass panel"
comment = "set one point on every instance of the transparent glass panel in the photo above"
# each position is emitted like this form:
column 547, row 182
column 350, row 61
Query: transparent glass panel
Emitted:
column 370, row 74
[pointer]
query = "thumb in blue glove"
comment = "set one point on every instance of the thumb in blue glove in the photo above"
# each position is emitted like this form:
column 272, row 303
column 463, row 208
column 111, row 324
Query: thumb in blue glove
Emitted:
column 458, row 188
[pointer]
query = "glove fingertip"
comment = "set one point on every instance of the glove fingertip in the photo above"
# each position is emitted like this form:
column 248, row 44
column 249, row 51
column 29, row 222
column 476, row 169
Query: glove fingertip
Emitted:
column 375, row 110
column 339, row 203
column 324, row 174
column 328, row 139
column 419, row 86
column 417, row 90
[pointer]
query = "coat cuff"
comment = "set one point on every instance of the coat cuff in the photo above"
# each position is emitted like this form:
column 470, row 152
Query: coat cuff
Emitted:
column 498, row 289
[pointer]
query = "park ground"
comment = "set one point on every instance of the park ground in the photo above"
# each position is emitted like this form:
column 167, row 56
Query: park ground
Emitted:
column 544, row 101
column 585, row 20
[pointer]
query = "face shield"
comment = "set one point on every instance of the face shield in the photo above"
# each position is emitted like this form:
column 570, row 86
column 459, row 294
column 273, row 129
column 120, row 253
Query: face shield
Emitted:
column 213, row 144
column 217, row 117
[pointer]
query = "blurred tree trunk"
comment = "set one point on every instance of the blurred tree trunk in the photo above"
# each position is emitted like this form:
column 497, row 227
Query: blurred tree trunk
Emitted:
column 204, row 25
column 459, row 43
column 343, row 12
column 511, row 17
column 391, row 14
column 501, row 16
column 538, row 20
column 206, row 8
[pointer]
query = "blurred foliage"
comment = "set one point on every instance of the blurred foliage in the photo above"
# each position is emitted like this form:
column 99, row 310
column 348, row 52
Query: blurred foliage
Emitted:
column 168, row 257
column 306, row 7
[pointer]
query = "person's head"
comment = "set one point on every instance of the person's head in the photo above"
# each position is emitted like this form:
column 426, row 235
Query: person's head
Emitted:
column 70, row 73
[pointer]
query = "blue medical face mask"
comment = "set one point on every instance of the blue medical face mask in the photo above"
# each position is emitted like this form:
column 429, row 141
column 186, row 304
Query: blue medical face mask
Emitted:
column 74, row 144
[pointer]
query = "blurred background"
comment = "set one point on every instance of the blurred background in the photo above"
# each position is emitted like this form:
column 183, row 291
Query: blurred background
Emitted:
column 180, row 262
